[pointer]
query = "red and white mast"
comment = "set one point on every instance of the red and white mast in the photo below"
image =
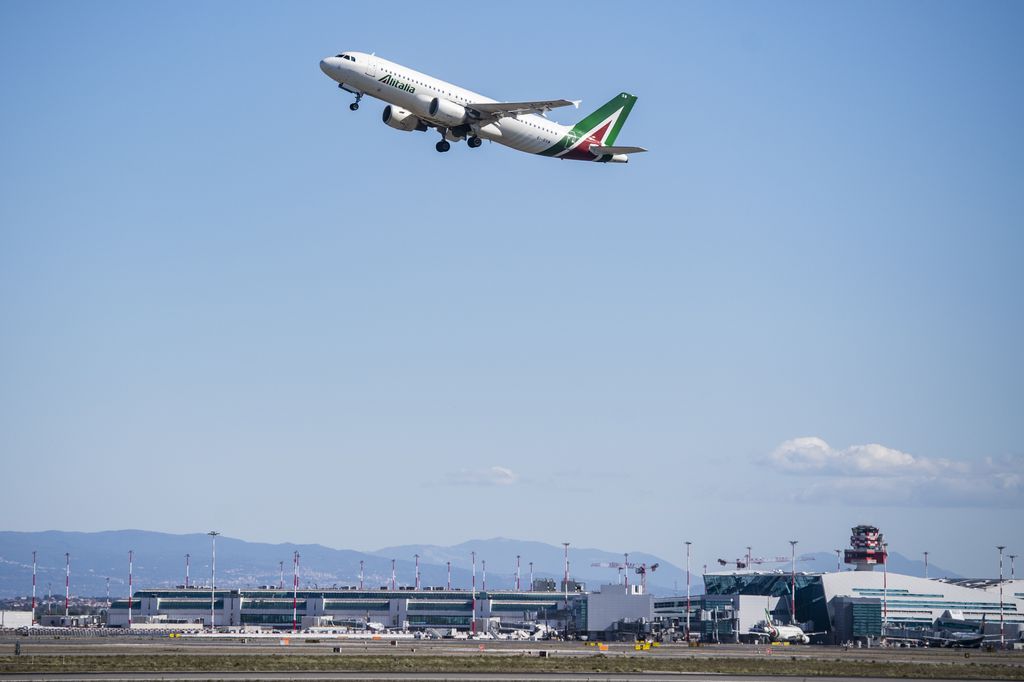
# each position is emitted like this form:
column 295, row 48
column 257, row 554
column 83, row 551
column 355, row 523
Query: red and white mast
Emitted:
column 33, row 587
column 67, row 582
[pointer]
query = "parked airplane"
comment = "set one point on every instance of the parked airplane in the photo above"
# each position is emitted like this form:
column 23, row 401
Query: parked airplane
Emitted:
column 781, row 633
column 416, row 101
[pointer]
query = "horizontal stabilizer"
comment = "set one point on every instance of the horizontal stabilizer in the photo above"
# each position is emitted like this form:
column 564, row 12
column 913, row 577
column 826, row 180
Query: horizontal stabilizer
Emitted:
column 599, row 150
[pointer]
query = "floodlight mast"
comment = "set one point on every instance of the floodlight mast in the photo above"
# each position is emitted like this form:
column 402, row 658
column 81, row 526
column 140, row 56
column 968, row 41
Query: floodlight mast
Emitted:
column 213, row 581
column 1002, row 633
column 688, row 543
column 472, row 624
column 885, row 586
column 417, row 571
column 131, row 557
column 926, row 565
column 792, row 586
column 188, row 558
column 33, row 586
column 295, row 592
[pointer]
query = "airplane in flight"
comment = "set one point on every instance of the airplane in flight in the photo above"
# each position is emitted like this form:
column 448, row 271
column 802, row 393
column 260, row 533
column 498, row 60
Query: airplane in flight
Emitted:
column 416, row 101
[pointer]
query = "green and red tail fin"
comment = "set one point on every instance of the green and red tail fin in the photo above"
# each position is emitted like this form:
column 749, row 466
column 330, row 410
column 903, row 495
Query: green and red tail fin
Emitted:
column 601, row 128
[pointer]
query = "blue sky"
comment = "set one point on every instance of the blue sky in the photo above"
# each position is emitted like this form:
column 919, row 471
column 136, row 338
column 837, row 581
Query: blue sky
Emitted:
column 227, row 301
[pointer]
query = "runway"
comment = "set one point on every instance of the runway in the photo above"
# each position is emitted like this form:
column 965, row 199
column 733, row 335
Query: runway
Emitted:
column 309, row 658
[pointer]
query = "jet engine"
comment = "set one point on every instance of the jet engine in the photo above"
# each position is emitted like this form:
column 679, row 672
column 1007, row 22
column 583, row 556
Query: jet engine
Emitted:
column 447, row 112
column 400, row 119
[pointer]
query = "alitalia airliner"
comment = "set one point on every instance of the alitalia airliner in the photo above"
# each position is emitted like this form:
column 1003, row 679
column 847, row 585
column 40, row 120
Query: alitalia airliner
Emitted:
column 416, row 101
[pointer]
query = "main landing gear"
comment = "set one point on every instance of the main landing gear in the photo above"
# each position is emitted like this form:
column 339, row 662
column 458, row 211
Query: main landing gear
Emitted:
column 443, row 145
column 474, row 142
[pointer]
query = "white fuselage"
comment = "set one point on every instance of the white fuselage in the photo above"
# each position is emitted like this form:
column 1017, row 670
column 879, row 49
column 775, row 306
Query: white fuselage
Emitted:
column 413, row 91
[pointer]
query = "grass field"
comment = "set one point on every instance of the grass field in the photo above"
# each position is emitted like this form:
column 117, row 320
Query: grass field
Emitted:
column 964, row 669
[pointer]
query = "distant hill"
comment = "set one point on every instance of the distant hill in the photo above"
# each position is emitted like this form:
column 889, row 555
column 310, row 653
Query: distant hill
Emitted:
column 160, row 562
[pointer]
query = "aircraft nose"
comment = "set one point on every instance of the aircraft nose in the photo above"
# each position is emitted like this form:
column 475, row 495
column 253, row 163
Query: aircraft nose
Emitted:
column 329, row 64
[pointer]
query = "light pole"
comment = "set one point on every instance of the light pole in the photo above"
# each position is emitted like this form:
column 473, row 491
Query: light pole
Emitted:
column 517, row 573
column 449, row 576
column 131, row 557
column 839, row 565
column 188, row 558
column 360, row 574
column 1002, row 635
column 483, row 569
column 33, row 587
column 749, row 555
column 213, row 579
column 565, row 585
column 1013, row 576
column 625, row 570
column 295, row 592
column 885, row 586
column 417, row 571
column 926, row 565
column 688, row 543
column 280, row 575
column 392, row 575
column 472, row 624
column 565, row 581
column 531, row 576
column 792, row 584
column 108, row 592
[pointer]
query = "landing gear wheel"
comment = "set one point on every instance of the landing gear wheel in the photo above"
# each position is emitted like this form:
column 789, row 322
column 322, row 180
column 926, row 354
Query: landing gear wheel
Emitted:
column 474, row 142
column 443, row 146
column 354, row 106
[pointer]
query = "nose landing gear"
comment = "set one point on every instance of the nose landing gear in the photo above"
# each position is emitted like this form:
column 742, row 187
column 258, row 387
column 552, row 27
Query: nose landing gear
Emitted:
column 355, row 105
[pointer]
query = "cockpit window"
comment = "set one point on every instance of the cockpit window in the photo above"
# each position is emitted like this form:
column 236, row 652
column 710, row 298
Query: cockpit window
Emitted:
column 345, row 56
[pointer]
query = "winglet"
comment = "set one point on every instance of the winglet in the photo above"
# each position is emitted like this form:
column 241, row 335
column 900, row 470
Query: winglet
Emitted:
column 576, row 102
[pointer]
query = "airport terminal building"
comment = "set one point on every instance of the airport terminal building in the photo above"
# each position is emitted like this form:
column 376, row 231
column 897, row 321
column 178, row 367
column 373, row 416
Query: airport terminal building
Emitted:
column 844, row 605
column 434, row 608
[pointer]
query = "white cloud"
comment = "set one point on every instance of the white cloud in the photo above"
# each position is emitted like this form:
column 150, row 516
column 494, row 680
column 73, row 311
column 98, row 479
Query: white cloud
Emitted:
column 875, row 474
column 494, row 475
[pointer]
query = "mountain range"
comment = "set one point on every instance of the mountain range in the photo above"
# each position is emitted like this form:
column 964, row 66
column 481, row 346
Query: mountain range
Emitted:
column 159, row 561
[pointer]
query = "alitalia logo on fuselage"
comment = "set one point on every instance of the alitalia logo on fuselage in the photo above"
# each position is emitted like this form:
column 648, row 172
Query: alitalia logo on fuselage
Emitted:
column 395, row 83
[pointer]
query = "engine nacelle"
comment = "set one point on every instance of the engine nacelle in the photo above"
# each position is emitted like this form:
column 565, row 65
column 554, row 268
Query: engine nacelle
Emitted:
column 400, row 119
column 447, row 112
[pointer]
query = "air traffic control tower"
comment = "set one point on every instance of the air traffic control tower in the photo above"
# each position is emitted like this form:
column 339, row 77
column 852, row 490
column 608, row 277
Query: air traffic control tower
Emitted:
column 867, row 548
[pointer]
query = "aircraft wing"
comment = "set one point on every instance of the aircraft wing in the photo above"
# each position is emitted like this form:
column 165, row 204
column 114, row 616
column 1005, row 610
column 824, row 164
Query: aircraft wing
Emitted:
column 500, row 109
